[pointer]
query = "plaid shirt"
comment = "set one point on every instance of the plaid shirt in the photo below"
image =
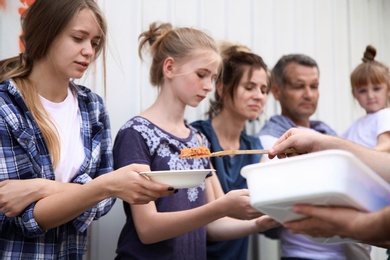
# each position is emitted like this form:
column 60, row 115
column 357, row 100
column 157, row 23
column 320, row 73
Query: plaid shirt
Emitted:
column 24, row 155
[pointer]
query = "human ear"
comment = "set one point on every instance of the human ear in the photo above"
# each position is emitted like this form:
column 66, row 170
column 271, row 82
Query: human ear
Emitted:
column 168, row 67
column 219, row 89
column 354, row 92
column 275, row 91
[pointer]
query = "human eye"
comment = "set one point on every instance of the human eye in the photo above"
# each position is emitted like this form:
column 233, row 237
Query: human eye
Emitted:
column 264, row 89
column 248, row 86
column 77, row 38
column 362, row 90
column 95, row 44
column 377, row 88
column 201, row 75
column 297, row 85
column 214, row 78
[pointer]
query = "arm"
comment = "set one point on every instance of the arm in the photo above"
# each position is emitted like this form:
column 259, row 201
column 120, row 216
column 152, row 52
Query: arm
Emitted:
column 124, row 183
column 229, row 228
column 383, row 143
column 243, row 222
column 246, row 212
column 153, row 226
column 313, row 142
column 371, row 228
column 16, row 195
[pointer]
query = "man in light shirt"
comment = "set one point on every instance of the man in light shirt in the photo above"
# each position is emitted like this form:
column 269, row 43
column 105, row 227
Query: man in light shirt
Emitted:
column 295, row 84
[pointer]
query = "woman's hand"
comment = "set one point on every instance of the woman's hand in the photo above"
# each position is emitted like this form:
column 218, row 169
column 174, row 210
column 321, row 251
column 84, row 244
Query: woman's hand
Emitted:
column 134, row 188
column 16, row 195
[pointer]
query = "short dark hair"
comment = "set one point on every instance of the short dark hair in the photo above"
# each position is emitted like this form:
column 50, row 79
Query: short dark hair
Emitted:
column 279, row 76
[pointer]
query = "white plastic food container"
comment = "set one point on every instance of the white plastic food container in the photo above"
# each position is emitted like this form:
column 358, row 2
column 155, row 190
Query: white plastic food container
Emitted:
column 332, row 177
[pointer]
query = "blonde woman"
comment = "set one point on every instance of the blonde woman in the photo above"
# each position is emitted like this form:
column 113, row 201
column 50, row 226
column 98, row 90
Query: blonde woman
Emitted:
column 56, row 165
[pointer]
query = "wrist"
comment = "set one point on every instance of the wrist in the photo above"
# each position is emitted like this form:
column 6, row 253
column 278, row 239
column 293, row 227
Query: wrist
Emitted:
column 381, row 221
column 221, row 206
column 44, row 188
column 105, row 186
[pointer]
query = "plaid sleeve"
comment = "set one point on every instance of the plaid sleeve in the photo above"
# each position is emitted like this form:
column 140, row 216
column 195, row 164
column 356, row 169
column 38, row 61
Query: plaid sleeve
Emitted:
column 16, row 164
column 101, row 159
column 28, row 224
column 103, row 207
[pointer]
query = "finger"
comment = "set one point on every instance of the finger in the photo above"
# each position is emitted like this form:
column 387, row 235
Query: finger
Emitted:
column 267, row 223
column 149, row 185
column 149, row 196
column 245, row 192
column 282, row 144
column 155, row 191
column 152, row 186
column 313, row 211
column 138, row 167
column 281, row 155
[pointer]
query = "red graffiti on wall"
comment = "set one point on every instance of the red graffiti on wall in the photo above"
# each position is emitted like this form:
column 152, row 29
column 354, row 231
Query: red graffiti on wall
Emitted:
column 3, row 4
column 26, row 4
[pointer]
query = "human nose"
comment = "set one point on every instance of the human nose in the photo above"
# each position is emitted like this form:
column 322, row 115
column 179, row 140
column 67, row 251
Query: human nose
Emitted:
column 370, row 93
column 258, row 93
column 308, row 92
column 87, row 50
column 208, row 85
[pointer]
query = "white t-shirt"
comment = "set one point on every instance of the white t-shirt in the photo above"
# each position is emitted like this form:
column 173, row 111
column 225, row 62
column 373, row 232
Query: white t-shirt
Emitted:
column 66, row 118
column 365, row 130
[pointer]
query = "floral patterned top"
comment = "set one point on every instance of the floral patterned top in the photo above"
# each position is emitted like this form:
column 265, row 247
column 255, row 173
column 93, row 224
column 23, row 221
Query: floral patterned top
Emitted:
column 140, row 141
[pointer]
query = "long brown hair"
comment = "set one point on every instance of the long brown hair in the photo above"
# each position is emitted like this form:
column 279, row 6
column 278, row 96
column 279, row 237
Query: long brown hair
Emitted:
column 41, row 23
column 236, row 59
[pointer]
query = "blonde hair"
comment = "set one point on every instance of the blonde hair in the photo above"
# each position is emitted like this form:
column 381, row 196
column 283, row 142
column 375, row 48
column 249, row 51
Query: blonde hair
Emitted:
column 181, row 44
column 370, row 70
column 41, row 23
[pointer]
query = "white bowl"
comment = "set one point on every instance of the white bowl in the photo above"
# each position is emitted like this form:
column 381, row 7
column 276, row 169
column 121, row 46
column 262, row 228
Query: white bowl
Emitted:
column 179, row 178
column 332, row 177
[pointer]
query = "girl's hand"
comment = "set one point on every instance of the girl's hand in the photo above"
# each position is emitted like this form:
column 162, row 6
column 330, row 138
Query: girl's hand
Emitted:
column 134, row 188
column 16, row 195
column 265, row 222
column 238, row 205
column 247, row 213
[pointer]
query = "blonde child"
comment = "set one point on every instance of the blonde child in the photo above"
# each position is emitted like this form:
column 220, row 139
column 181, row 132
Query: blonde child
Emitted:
column 370, row 83
column 185, row 64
